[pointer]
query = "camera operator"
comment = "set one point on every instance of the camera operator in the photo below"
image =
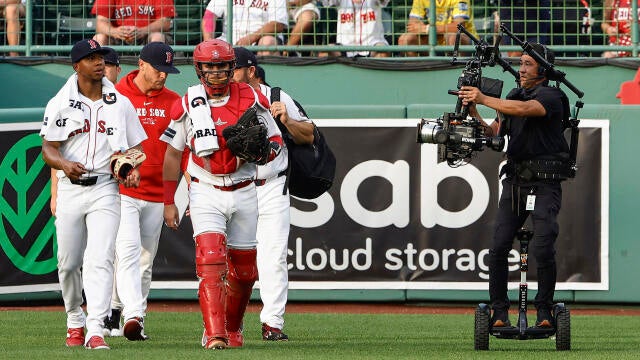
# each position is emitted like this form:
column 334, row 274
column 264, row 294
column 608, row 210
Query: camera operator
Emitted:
column 532, row 118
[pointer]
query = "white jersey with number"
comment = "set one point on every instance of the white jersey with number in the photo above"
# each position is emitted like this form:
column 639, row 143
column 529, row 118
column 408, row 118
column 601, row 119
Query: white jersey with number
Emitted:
column 249, row 15
column 359, row 22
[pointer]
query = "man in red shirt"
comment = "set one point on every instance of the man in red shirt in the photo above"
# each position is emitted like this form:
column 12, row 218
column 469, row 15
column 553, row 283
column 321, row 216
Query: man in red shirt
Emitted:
column 142, row 206
column 130, row 22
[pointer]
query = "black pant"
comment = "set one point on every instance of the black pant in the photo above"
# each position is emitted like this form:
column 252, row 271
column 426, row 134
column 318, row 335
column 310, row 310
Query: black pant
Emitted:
column 511, row 216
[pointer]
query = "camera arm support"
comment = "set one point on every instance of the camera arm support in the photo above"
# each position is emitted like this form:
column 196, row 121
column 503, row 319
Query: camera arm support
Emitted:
column 482, row 47
column 552, row 73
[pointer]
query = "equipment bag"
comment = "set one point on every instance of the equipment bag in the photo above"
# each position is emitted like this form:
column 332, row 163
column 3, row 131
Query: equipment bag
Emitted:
column 312, row 167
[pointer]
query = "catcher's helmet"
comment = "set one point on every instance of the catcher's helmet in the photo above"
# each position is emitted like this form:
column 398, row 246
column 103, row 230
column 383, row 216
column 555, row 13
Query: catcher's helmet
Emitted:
column 216, row 52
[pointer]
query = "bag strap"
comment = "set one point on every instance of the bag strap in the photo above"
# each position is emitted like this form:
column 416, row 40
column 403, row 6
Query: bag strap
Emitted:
column 275, row 96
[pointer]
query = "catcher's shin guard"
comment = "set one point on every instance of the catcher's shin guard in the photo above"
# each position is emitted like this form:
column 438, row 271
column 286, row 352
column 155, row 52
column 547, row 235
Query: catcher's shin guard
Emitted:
column 211, row 267
column 242, row 274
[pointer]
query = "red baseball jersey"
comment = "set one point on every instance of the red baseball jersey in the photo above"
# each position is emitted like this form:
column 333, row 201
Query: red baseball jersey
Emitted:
column 134, row 13
column 154, row 114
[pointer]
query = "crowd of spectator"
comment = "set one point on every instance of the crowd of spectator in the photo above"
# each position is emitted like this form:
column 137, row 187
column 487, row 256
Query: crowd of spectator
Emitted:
column 352, row 23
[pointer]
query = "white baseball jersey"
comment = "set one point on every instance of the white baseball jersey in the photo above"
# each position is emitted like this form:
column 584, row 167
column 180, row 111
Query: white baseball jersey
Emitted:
column 359, row 23
column 89, row 145
column 249, row 15
column 280, row 163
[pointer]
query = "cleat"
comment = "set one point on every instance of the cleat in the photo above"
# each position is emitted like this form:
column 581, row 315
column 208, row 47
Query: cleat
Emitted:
column 75, row 337
column 112, row 325
column 236, row 339
column 133, row 329
column 213, row 343
column 96, row 343
column 273, row 334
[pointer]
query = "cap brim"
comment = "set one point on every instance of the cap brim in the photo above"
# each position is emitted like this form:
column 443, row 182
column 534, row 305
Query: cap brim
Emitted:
column 96, row 51
column 166, row 69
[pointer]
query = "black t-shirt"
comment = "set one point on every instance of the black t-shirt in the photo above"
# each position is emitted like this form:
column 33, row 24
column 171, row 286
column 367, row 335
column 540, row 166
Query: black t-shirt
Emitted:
column 538, row 137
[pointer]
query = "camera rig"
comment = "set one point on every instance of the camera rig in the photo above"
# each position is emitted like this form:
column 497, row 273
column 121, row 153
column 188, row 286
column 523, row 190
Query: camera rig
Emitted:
column 458, row 135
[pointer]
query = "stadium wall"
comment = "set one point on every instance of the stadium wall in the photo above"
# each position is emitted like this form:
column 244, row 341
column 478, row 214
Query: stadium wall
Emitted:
column 336, row 91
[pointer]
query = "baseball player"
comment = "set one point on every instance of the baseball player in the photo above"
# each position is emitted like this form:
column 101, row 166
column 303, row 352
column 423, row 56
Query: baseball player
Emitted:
column 222, row 194
column 273, row 206
column 252, row 24
column 142, row 207
column 86, row 122
column 112, row 70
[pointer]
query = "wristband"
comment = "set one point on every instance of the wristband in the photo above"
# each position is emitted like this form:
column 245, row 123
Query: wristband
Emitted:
column 169, row 187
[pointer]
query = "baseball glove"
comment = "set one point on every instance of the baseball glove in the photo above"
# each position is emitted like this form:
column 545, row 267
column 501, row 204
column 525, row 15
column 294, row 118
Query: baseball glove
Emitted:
column 251, row 145
column 247, row 120
column 123, row 163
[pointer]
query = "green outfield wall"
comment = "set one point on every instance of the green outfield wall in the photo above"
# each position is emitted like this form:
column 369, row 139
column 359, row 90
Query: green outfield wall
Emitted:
column 337, row 91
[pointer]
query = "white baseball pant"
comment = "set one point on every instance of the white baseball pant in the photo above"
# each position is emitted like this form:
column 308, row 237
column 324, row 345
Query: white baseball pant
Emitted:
column 233, row 213
column 273, row 238
column 87, row 219
column 136, row 247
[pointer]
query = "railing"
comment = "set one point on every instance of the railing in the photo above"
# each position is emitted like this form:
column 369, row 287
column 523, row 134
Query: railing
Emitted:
column 51, row 27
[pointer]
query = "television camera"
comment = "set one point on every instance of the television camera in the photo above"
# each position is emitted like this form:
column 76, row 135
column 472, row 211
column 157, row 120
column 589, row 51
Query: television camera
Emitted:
column 458, row 135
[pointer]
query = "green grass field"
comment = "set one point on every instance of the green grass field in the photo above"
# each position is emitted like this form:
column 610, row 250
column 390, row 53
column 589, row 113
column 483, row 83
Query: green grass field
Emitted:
column 176, row 335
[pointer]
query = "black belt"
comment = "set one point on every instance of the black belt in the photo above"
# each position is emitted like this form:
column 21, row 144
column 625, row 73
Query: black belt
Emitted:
column 260, row 182
column 236, row 186
column 85, row 181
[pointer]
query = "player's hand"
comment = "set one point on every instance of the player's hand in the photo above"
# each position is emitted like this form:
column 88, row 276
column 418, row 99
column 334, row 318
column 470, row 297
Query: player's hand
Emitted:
column 279, row 109
column 73, row 169
column 171, row 218
column 133, row 179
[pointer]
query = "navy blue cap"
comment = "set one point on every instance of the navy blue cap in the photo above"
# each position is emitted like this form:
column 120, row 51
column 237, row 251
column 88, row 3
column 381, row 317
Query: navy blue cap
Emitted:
column 160, row 56
column 84, row 48
column 111, row 57
column 244, row 58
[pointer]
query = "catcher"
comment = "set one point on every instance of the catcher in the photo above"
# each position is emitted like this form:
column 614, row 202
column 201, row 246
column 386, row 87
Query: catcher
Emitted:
column 228, row 130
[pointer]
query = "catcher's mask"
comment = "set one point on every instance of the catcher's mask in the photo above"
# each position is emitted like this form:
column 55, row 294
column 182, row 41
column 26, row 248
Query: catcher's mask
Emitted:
column 214, row 52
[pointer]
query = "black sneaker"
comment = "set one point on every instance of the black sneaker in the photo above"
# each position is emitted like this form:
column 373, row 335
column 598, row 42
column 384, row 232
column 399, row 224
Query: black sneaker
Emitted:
column 273, row 334
column 545, row 319
column 500, row 318
column 112, row 323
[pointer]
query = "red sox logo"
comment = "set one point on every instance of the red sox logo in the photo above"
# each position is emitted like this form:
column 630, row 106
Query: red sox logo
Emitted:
column 198, row 101
column 92, row 43
column 169, row 57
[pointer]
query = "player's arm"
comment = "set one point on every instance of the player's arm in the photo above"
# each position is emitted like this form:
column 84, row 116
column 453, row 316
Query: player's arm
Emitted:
column 54, row 191
column 170, row 174
column 52, row 156
column 301, row 131
column 208, row 25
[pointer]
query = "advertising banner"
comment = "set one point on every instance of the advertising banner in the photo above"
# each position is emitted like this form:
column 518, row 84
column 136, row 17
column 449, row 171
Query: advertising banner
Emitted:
column 395, row 218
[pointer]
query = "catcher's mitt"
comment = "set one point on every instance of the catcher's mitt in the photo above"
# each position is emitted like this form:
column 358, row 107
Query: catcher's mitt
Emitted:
column 123, row 163
column 247, row 120
column 251, row 145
